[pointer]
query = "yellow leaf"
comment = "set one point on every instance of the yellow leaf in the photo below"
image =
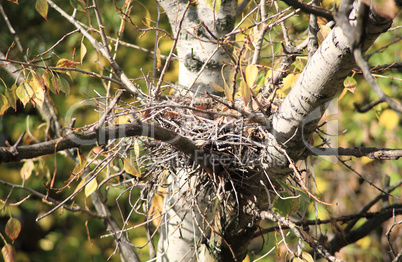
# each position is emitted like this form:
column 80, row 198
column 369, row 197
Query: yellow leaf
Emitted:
column 79, row 185
column 217, row 87
column 323, row 33
column 245, row 92
column 228, row 92
column 289, row 81
column 4, row 105
column 91, row 187
column 389, row 119
column 131, row 167
column 42, row 7
column 304, row 257
column 24, row 93
column 251, row 75
column 38, row 86
column 26, row 170
column 13, row 228
column 83, row 51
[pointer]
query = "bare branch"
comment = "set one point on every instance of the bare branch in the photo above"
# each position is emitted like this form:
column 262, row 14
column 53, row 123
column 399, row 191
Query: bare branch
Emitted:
column 370, row 152
column 310, row 9
column 91, row 138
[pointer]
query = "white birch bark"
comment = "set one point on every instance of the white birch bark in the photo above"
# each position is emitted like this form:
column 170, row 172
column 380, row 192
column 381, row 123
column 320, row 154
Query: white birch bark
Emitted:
column 292, row 124
column 201, row 62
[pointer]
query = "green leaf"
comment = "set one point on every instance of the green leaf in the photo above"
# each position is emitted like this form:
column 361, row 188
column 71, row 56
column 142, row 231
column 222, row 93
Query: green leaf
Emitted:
column 64, row 86
column 12, row 97
column 13, row 228
column 42, row 7
column 350, row 84
column 211, row 3
column 131, row 167
column 78, row 4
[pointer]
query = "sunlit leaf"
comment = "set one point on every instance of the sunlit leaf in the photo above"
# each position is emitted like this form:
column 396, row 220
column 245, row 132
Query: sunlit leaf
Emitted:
column 26, row 170
column 78, row 4
column 228, row 92
column 83, row 51
column 389, row 119
column 212, row 3
column 304, row 257
column 136, row 148
column 81, row 184
column 245, row 93
column 323, row 33
column 156, row 209
column 38, row 86
column 4, row 104
column 289, row 81
column 42, row 7
column 131, row 167
column 24, row 92
column 13, row 228
column 217, row 87
column 91, row 187
column 350, row 84
column 251, row 75
column 8, row 252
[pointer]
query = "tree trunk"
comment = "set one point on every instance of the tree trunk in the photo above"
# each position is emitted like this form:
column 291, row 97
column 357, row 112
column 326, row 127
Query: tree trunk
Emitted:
column 227, row 234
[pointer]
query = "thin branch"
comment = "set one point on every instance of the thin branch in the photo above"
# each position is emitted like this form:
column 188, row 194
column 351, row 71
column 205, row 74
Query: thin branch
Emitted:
column 373, row 83
column 343, row 219
column 55, row 68
column 101, row 49
column 300, row 233
column 342, row 240
column 47, row 199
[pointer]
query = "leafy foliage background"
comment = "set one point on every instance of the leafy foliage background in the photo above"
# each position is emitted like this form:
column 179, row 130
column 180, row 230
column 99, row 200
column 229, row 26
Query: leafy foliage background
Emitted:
column 64, row 236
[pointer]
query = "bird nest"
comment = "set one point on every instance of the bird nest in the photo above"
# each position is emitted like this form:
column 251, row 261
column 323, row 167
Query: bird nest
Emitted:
column 235, row 136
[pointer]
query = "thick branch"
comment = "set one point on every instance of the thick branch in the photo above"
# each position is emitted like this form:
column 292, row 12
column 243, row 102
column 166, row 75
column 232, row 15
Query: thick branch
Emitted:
column 345, row 239
column 370, row 152
column 309, row 9
column 91, row 138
